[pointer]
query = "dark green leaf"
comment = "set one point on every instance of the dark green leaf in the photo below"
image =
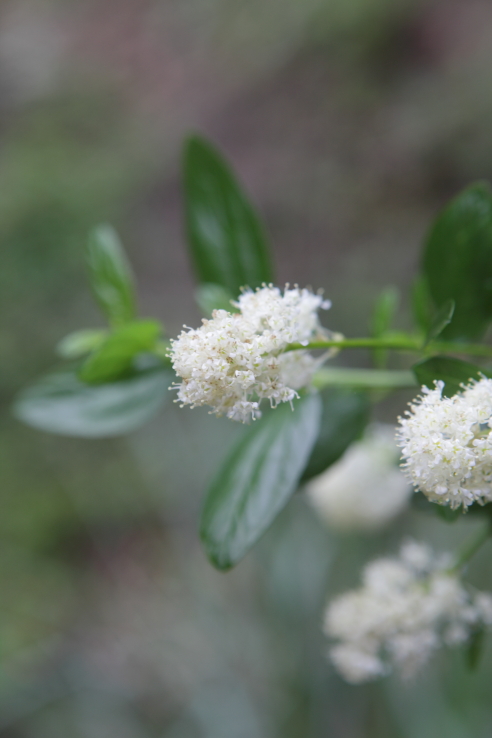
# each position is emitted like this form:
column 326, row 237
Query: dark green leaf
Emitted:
column 457, row 261
column 110, row 275
column 60, row 403
column 212, row 297
column 225, row 236
column 80, row 343
column 345, row 415
column 453, row 372
column 441, row 319
column 257, row 480
column 115, row 357
column 475, row 647
column 384, row 312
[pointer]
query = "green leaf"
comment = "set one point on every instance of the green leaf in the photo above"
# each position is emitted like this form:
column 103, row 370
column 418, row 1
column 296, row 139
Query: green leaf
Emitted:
column 257, row 480
column 60, row 403
column 475, row 647
column 383, row 314
column 115, row 357
column 226, row 239
column 345, row 415
column 441, row 319
column 210, row 297
column 457, row 261
column 80, row 343
column 111, row 276
column 453, row 372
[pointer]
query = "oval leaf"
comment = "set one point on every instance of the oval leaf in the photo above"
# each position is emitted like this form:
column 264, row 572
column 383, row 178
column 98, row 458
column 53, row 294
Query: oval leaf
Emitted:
column 110, row 275
column 225, row 236
column 453, row 372
column 457, row 261
column 60, row 403
column 257, row 480
column 115, row 356
column 345, row 415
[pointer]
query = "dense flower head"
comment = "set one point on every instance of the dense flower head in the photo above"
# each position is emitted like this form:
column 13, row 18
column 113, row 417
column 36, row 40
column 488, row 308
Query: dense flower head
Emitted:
column 365, row 488
column 235, row 360
column 446, row 444
column 407, row 607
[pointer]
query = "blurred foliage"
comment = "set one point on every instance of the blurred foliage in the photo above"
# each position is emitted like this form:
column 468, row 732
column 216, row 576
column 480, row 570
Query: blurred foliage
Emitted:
column 352, row 122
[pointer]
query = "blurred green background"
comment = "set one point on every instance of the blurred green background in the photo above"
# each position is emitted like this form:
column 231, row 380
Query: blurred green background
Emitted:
column 351, row 122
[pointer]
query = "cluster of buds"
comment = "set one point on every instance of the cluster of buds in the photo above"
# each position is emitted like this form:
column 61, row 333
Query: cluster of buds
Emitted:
column 235, row 360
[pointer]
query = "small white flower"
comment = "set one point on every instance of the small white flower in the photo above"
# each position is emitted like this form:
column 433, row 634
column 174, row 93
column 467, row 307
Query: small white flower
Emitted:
column 364, row 489
column 407, row 607
column 446, row 444
column 233, row 361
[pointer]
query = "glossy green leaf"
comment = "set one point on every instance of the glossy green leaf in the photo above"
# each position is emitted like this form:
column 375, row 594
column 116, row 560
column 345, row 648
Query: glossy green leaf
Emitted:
column 210, row 297
column 382, row 318
column 441, row 319
column 257, row 480
column 225, row 237
column 60, row 403
column 80, row 343
column 111, row 276
column 115, row 357
column 453, row 372
column 457, row 261
column 345, row 415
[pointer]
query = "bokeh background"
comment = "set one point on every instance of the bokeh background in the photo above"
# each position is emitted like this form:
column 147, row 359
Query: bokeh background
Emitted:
column 350, row 122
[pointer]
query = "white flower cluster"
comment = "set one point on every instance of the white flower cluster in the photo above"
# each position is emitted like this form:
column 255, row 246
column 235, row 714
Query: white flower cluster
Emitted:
column 447, row 444
column 365, row 488
column 407, row 607
column 235, row 360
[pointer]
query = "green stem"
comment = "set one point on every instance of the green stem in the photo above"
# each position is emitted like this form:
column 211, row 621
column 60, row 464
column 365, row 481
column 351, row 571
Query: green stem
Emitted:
column 399, row 344
column 471, row 547
column 363, row 378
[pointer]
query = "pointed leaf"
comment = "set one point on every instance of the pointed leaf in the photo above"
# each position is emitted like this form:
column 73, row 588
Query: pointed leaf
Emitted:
column 257, row 480
column 110, row 275
column 457, row 261
column 60, row 403
column 225, row 236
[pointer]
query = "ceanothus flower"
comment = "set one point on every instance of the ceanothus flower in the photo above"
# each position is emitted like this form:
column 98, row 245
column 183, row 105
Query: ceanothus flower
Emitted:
column 446, row 444
column 235, row 360
column 408, row 606
column 365, row 489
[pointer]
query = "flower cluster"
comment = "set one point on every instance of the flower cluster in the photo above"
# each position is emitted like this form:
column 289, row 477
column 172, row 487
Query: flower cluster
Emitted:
column 365, row 488
column 407, row 607
column 235, row 360
column 447, row 444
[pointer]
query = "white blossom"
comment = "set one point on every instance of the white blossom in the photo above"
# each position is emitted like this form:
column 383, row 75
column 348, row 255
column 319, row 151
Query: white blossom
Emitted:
column 235, row 360
column 365, row 488
column 407, row 607
column 446, row 444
